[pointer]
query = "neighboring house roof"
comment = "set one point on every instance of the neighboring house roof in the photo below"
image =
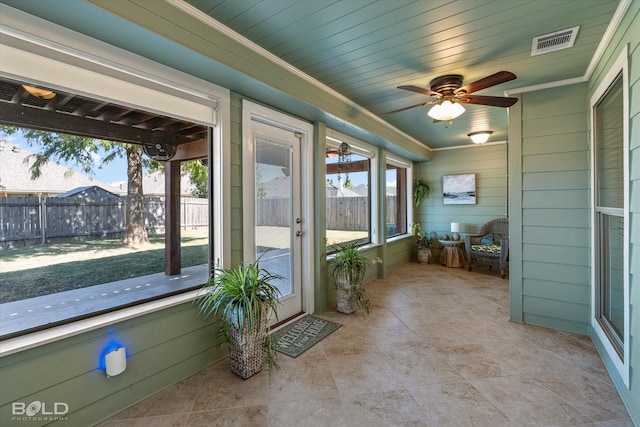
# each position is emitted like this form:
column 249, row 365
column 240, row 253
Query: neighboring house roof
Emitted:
column 15, row 176
column 93, row 191
column 277, row 188
column 340, row 191
column 153, row 185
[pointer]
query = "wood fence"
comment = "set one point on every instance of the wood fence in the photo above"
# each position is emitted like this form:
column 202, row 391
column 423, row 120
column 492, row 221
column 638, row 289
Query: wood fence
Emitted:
column 31, row 220
column 343, row 213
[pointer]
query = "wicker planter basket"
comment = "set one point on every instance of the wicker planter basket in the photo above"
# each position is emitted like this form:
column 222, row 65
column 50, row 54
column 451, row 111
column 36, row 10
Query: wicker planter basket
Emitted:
column 345, row 301
column 424, row 255
column 247, row 347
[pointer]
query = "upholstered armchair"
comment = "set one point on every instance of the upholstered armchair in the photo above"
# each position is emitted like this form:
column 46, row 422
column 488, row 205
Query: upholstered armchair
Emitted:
column 490, row 246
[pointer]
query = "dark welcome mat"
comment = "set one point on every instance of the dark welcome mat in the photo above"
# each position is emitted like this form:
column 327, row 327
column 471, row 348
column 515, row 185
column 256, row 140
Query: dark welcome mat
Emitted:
column 301, row 335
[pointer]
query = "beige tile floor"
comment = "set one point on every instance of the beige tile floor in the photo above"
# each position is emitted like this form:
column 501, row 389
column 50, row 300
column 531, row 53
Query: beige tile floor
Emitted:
column 436, row 350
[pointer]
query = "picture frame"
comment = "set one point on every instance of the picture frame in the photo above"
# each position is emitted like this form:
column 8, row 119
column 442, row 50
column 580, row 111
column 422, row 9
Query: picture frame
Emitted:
column 459, row 189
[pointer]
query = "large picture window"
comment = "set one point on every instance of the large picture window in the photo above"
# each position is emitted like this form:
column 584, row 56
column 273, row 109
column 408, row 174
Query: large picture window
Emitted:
column 72, row 246
column 350, row 190
column 397, row 176
column 62, row 270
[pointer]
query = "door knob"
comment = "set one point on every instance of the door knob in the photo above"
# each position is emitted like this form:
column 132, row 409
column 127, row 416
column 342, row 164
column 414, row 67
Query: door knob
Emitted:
column 299, row 233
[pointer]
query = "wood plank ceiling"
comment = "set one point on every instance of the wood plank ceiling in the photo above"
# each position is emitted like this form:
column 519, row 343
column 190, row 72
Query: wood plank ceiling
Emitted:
column 365, row 49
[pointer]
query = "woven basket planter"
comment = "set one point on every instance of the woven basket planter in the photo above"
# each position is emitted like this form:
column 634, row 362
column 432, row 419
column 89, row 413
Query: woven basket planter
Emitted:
column 247, row 347
column 424, row 255
column 345, row 301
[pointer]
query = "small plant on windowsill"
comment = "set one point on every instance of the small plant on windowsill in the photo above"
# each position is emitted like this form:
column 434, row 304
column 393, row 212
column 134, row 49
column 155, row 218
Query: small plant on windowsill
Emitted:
column 349, row 268
column 423, row 242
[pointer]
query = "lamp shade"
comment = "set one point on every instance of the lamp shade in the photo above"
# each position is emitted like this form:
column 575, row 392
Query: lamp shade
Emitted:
column 456, row 227
column 480, row 137
column 446, row 110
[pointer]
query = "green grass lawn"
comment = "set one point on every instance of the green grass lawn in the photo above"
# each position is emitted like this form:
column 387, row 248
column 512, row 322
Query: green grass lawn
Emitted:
column 44, row 269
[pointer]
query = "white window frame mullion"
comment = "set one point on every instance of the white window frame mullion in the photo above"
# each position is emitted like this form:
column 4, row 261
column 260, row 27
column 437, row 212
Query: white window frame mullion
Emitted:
column 622, row 366
column 408, row 165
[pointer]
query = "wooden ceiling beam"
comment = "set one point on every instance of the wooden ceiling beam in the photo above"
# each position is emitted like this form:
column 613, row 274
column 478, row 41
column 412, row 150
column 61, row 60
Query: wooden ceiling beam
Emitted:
column 194, row 150
column 33, row 118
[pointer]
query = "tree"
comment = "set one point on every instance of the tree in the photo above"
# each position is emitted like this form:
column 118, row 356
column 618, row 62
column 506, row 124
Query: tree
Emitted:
column 136, row 230
column 82, row 152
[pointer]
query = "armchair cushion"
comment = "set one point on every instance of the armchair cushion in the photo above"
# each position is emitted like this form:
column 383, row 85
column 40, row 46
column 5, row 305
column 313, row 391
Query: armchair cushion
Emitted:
column 492, row 248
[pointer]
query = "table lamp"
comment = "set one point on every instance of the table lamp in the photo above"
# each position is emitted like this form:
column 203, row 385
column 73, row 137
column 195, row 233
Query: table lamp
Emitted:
column 456, row 227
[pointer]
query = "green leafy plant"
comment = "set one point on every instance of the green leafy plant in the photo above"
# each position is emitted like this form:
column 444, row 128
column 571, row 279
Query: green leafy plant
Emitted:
column 422, row 240
column 421, row 190
column 238, row 296
column 349, row 268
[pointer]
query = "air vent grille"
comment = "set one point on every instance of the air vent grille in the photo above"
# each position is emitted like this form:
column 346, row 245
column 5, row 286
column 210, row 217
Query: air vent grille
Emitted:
column 554, row 41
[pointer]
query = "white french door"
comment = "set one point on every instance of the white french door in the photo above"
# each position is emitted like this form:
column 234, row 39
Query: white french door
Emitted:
column 275, row 226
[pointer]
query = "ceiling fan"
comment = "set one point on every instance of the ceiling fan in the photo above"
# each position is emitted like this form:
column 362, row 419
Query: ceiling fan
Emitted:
column 450, row 94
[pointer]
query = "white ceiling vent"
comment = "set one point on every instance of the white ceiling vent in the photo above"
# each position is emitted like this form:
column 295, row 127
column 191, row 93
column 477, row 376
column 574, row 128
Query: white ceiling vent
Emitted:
column 554, row 41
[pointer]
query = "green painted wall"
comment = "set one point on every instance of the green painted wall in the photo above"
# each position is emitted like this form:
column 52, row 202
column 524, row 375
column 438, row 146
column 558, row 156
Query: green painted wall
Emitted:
column 628, row 34
column 545, row 219
column 162, row 347
column 489, row 163
column 549, row 159
column 237, row 256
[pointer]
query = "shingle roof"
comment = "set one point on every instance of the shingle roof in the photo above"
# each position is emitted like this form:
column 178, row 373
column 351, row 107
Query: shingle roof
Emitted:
column 88, row 191
column 153, row 185
column 15, row 177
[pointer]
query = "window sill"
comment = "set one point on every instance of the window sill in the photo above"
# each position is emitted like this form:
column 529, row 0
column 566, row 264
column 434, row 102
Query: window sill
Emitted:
column 192, row 276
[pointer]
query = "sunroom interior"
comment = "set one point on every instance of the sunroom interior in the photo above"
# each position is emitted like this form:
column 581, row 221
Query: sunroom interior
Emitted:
column 206, row 80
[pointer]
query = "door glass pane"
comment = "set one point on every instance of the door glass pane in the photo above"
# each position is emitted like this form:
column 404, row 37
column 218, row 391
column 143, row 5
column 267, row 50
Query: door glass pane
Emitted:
column 273, row 211
column 612, row 290
column 609, row 146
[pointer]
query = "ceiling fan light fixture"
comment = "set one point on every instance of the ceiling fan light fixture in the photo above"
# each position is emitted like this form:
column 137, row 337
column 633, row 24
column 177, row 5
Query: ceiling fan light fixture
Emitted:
column 446, row 110
column 480, row 137
column 39, row 93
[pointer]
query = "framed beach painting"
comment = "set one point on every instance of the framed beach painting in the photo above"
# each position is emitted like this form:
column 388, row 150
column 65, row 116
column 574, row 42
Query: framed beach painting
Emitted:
column 459, row 189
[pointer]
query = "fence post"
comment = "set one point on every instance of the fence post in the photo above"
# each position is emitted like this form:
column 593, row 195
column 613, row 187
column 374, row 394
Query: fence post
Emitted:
column 43, row 218
column 183, row 220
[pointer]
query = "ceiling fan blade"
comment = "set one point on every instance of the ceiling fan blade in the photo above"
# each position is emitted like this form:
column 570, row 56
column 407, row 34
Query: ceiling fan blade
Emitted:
column 493, row 101
column 408, row 108
column 419, row 89
column 492, row 80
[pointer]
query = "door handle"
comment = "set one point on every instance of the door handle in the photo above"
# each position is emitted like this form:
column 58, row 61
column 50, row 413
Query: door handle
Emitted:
column 299, row 233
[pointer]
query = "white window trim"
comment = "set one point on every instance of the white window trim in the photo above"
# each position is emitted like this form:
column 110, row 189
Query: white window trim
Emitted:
column 39, row 51
column 334, row 139
column 408, row 165
column 622, row 367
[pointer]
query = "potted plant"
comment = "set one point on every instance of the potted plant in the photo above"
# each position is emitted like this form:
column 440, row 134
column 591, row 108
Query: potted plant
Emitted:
column 349, row 268
column 243, row 297
column 420, row 190
column 423, row 241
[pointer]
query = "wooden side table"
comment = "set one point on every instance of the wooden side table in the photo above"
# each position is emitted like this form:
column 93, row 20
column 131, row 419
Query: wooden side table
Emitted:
column 452, row 254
